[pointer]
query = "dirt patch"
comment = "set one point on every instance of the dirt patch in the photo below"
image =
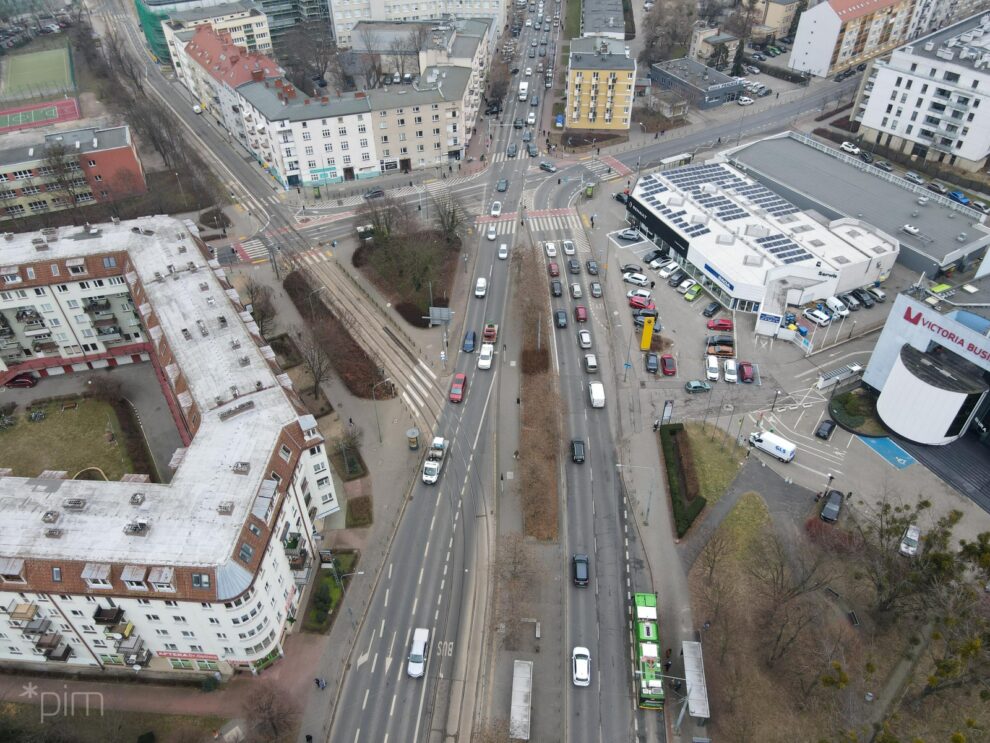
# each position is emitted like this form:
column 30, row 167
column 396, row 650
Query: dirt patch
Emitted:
column 359, row 511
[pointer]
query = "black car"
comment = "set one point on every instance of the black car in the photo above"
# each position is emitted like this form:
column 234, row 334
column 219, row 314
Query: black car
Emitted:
column 533, row 151
column 631, row 268
column 861, row 67
column 375, row 193
column 865, row 156
column 518, row 124
column 640, row 320
column 577, row 451
column 561, row 318
column 592, row 267
column 582, row 568
column 556, row 288
column 511, row 150
column 573, row 266
column 864, row 297
column 832, row 507
column 645, row 313
column 720, row 340
column 652, row 256
column 652, row 363
column 622, row 198
column 677, row 277
column 711, row 310
column 502, row 186
column 825, row 429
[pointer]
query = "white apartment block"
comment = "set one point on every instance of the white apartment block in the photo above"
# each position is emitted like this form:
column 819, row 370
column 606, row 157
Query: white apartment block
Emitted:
column 931, row 15
column 838, row 34
column 243, row 22
column 348, row 13
column 201, row 573
column 931, row 98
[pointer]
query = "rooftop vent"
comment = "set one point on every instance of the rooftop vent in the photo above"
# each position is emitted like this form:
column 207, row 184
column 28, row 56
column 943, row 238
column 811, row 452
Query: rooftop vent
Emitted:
column 138, row 528
column 204, row 287
column 237, row 409
column 137, row 499
column 222, row 320
column 226, row 508
column 186, row 334
column 53, row 533
column 202, row 328
column 961, row 237
column 241, row 468
column 74, row 504
column 244, row 361
column 50, row 517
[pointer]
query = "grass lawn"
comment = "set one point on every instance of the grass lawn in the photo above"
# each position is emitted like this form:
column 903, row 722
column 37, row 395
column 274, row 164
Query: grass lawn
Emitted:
column 73, row 440
column 715, row 461
column 22, row 722
column 746, row 522
column 572, row 21
column 318, row 619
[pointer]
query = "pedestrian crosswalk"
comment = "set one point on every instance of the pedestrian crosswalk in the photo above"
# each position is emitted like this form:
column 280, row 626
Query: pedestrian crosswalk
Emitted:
column 253, row 250
column 312, row 257
column 570, row 224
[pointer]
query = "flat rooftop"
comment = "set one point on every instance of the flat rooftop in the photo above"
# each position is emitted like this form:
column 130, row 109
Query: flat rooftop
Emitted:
column 243, row 403
column 696, row 74
column 966, row 43
column 846, row 185
column 602, row 16
column 747, row 229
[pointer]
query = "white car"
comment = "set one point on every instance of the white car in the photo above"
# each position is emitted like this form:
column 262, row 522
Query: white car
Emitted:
column 569, row 248
column 551, row 250
column 818, row 317
column 641, row 293
column 685, row 285
column 911, row 229
column 503, row 251
column 491, row 232
column 729, row 367
column 849, row 147
column 635, row 278
column 584, row 339
column 529, row 72
column 744, row 100
column 531, row 119
column 486, row 356
column 481, row 288
column 711, row 368
column 497, row 209
column 666, row 271
column 581, row 666
column 909, row 542
column 661, row 263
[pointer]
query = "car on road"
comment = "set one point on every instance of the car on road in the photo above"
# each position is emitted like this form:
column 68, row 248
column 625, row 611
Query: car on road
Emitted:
column 825, row 428
column 551, row 249
column 581, row 313
column 512, row 150
column 497, row 209
column 527, row 136
column 632, row 235
column 746, row 372
column 374, row 193
column 744, row 100
column 914, row 178
column 622, row 197
column 636, row 279
column 560, row 316
column 491, row 234
column 529, row 72
column 692, row 293
column 697, row 385
column 573, row 266
column 581, row 666
column 591, row 267
column 668, row 366
column 596, row 289
column 938, row 188
column 577, row 451
column 553, row 268
column 458, row 387
column 486, row 356
column 503, row 251
column 556, row 288
column 534, row 101
column 883, row 165
column 481, row 287
column 518, row 124
column 533, row 150
column 910, row 541
column 502, row 186
column 576, row 290
column 720, row 323
column 752, row 69
column 470, row 339
column 581, row 569
column 832, row 506
column 545, row 166
column 652, row 362
column 22, row 381
column 531, row 119
column 639, row 303
column 584, row 338
column 711, row 310
column 641, row 293
column 569, row 248
column 911, row 229
column 419, row 652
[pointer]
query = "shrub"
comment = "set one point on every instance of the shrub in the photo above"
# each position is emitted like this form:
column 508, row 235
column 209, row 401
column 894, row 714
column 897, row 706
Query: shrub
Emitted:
column 830, row 114
column 685, row 511
column 321, row 597
column 359, row 511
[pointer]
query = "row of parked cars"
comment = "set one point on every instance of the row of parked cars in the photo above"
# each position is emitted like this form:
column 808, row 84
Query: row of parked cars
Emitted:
column 843, row 304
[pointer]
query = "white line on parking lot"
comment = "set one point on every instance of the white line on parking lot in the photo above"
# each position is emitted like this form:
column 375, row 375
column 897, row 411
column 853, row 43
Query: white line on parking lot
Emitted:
column 816, row 472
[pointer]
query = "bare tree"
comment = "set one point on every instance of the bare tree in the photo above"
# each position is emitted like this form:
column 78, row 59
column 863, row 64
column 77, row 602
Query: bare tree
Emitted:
column 370, row 57
column 260, row 298
column 418, row 38
column 498, row 87
column 310, row 50
column 668, row 30
column 120, row 63
column 313, row 350
column 270, row 710
column 514, row 559
column 387, row 216
column 65, row 176
column 448, row 216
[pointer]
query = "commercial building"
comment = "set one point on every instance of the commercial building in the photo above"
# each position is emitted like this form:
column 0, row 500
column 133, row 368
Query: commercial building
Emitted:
column 709, row 46
column 242, row 21
column 202, row 572
column 838, row 34
column 931, row 98
column 67, row 169
column 601, row 81
column 751, row 247
column 603, row 18
column 349, row 13
column 703, row 87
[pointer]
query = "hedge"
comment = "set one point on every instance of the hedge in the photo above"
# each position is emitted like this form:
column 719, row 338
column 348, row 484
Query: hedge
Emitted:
column 685, row 512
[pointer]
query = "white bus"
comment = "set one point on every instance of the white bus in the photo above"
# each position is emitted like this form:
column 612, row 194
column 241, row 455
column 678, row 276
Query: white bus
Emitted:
column 523, row 90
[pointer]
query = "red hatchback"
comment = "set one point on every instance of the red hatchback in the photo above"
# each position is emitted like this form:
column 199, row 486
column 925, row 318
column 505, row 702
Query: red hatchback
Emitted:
column 458, row 387
column 667, row 365
column 641, row 303
column 745, row 371
column 554, row 269
column 720, row 323
column 22, row 380
column 581, row 313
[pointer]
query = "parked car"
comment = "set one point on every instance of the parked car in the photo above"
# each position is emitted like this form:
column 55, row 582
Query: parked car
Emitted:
column 864, row 298
column 22, row 381
column 374, row 193
column 668, row 365
column 630, row 234
column 652, row 255
column 746, row 373
column 825, row 428
column 692, row 293
column 640, row 303
column 667, row 270
column 938, row 188
column 744, row 100
column 631, row 268
column 641, row 293
column 913, row 177
column 652, row 362
column 910, row 541
column 849, row 147
column 458, row 387
column 720, row 323
column 637, row 279
column 731, row 373
column 832, row 506
column 865, row 156
column 883, row 165
column 697, row 385
column 959, row 197
column 711, row 310
column 910, row 229
column 677, row 278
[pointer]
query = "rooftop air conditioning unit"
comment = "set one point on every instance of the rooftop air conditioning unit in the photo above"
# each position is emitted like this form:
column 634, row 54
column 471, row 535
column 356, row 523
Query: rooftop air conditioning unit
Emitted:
column 74, row 504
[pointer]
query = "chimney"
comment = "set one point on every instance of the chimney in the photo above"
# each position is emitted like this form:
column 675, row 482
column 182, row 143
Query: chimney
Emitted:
column 278, row 83
column 258, row 74
column 306, row 102
column 324, row 100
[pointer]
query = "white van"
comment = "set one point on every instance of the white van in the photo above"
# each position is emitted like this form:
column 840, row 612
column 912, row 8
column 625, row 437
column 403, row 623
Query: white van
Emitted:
column 590, row 363
column 711, row 368
column 837, row 306
column 877, row 293
column 418, row 652
column 481, row 288
column 596, row 391
column 773, row 444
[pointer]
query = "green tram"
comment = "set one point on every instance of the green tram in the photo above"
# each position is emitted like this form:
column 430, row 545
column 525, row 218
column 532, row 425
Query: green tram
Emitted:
column 648, row 658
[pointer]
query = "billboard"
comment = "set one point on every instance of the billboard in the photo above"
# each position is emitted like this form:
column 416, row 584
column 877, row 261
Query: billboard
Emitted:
column 646, row 339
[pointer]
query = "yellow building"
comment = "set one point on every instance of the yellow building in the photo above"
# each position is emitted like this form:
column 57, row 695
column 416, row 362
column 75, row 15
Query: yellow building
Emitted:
column 601, row 81
column 779, row 16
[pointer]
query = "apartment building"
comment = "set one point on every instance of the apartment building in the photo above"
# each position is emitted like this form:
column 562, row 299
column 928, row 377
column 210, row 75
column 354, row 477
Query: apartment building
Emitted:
column 94, row 165
column 203, row 573
column 601, row 81
column 347, row 14
column 212, row 67
column 243, row 22
column 778, row 16
column 838, row 34
column 710, row 46
column 931, row 15
column 931, row 98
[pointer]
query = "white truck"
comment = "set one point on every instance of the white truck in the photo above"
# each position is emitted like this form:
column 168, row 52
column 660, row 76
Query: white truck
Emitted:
column 773, row 444
column 435, row 458
column 523, row 90
column 596, row 393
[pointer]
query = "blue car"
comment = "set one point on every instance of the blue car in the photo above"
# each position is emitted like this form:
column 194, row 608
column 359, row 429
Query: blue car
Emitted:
column 470, row 339
column 959, row 197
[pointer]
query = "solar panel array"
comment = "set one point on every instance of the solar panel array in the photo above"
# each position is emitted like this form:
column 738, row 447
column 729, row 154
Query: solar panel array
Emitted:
column 783, row 248
column 767, row 199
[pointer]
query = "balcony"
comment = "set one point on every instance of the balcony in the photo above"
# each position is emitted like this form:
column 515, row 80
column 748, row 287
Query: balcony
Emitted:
column 36, row 330
column 44, row 346
column 61, row 653
column 97, row 307
column 37, row 626
column 108, row 615
column 106, row 322
column 27, row 315
column 23, row 612
column 48, row 641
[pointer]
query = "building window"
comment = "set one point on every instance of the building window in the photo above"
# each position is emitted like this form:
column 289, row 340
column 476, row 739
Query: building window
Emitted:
column 201, row 580
column 285, row 452
column 56, row 575
column 246, row 552
column 92, row 163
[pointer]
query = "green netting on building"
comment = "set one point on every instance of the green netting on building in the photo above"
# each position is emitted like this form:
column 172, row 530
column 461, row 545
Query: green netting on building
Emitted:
column 151, row 23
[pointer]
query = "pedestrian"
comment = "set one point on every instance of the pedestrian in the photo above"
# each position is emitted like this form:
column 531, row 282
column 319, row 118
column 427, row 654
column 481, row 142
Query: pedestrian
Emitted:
column 719, row 140
column 667, row 654
column 350, row 421
column 657, row 135
column 503, row 346
column 309, row 739
column 656, row 427
column 323, row 684
column 653, row 285
column 317, row 682
column 667, row 664
column 517, row 401
column 778, row 95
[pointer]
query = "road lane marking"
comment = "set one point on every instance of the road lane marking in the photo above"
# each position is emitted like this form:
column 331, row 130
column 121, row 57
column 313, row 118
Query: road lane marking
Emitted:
column 386, row 597
column 374, row 662
column 365, row 702
column 381, row 630
column 363, row 658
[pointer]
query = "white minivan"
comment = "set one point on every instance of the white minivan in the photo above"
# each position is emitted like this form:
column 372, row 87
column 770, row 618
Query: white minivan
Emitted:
column 481, row 288
column 596, row 392
column 877, row 293
column 418, row 652
column 837, row 306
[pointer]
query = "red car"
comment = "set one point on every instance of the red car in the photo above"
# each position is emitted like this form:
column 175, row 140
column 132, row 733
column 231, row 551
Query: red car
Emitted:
column 720, row 323
column 745, row 371
column 22, row 380
column 554, row 269
column 667, row 365
column 458, row 387
column 641, row 303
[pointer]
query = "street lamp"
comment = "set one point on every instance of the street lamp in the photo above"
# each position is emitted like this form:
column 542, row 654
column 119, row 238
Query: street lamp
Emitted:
column 375, row 402
column 649, row 503
column 774, row 403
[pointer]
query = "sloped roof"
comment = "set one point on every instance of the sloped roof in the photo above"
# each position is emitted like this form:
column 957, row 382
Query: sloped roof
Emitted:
column 226, row 61
column 848, row 10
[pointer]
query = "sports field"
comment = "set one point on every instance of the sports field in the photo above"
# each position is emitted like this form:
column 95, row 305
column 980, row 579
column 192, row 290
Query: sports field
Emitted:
column 37, row 71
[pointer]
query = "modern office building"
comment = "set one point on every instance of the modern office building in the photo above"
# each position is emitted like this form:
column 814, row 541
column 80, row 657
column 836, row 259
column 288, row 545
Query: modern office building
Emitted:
column 242, row 21
column 204, row 571
column 601, row 82
column 838, row 34
column 62, row 170
column 701, row 86
column 931, row 98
